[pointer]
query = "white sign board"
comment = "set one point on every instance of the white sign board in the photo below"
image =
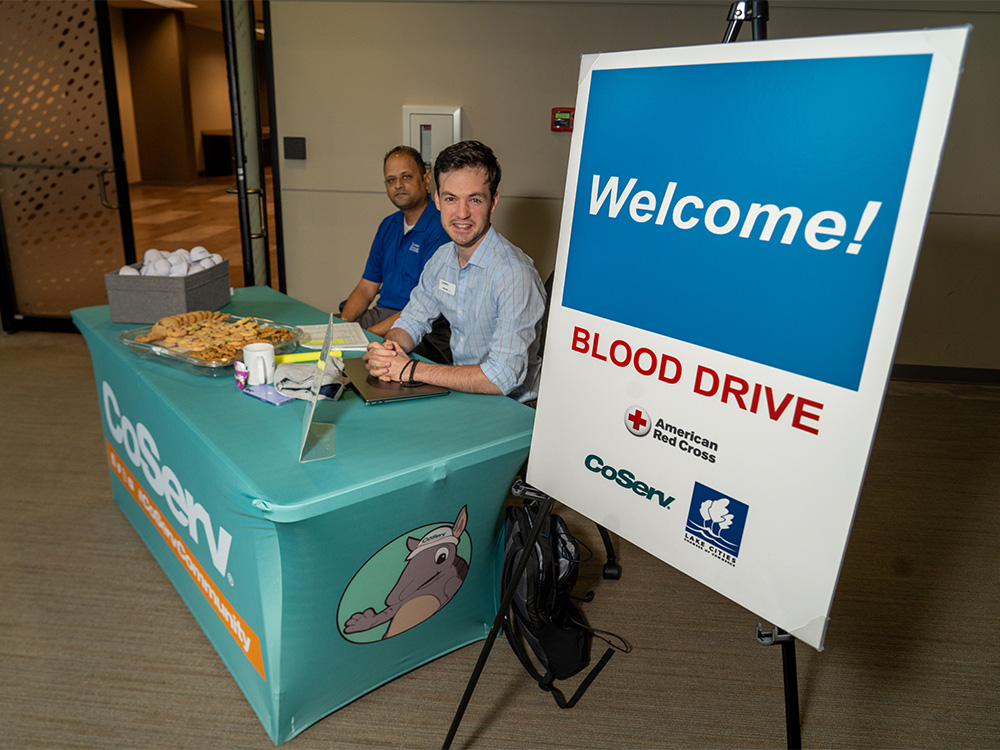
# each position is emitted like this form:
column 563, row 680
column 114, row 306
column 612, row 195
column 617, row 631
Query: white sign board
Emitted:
column 740, row 230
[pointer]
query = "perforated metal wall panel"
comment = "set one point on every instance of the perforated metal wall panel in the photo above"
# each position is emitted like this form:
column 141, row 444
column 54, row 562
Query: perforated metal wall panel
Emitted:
column 56, row 150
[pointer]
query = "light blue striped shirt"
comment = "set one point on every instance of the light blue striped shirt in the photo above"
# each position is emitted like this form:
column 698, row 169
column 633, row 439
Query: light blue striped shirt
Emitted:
column 494, row 305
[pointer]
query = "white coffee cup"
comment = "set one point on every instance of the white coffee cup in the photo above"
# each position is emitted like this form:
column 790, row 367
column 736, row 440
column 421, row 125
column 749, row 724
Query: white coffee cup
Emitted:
column 259, row 359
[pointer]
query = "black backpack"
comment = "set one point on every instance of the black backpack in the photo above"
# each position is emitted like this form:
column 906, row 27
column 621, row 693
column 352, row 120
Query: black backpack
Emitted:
column 542, row 617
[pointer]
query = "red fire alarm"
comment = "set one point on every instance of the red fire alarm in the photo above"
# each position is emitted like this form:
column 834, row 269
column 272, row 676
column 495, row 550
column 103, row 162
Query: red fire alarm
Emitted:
column 562, row 119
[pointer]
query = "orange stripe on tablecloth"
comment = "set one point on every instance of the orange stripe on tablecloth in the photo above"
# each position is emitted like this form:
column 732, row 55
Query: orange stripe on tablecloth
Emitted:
column 245, row 637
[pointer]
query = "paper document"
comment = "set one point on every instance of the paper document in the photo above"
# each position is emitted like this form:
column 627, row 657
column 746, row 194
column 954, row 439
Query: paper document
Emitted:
column 346, row 337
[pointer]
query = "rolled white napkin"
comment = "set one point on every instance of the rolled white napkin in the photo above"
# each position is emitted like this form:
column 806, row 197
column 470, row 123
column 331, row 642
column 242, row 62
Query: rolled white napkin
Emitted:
column 296, row 379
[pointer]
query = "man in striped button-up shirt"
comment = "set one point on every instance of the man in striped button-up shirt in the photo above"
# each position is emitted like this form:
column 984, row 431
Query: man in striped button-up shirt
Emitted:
column 487, row 288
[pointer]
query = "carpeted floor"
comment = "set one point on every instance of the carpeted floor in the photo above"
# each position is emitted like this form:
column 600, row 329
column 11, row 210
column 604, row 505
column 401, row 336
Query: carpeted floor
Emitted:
column 99, row 651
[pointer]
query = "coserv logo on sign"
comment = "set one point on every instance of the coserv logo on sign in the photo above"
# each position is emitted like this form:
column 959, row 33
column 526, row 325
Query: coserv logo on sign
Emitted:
column 625, row 479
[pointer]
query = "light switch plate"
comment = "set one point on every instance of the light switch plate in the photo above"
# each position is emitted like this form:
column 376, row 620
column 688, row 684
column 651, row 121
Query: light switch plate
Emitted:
column 431, row 129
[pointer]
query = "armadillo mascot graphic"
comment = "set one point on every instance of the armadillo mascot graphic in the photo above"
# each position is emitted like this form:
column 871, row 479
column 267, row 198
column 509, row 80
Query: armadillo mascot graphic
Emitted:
column 432, row 574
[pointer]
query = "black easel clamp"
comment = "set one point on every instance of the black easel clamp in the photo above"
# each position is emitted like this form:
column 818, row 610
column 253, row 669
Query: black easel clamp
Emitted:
column 779, row 637
column 775, row 637
column 520, row 489
column 755, row 11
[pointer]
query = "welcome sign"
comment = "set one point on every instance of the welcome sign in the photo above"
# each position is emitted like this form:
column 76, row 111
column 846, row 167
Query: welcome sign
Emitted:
column 740, row 230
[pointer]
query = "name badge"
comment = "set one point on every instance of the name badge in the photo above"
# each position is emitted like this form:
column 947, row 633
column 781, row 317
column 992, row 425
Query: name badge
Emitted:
column 447, row 287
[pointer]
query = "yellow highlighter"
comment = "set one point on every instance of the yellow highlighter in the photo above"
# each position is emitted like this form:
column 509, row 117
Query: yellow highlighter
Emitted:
column 303, row 357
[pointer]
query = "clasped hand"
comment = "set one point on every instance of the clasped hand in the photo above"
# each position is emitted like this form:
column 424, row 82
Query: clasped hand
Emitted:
column 385, row 361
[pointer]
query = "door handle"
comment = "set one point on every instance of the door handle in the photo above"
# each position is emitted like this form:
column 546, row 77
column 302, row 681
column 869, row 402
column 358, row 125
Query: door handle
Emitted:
column 259, row 192
column 104, row 189
column 263, row 213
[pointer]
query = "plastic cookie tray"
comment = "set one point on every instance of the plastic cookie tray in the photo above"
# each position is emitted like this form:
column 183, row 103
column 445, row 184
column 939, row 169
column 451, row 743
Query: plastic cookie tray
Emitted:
column 210, row 367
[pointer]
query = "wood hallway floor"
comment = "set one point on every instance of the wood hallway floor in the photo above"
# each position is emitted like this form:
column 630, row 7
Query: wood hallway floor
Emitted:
column 167, row 217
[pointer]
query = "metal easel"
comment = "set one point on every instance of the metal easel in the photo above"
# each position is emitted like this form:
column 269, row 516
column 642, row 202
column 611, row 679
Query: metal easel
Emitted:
column 777, row 636
column 545, row 504
column 756, row 12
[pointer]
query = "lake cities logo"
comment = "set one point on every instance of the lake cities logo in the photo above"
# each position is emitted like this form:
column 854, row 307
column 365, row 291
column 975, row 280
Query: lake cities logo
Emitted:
column 715, row 523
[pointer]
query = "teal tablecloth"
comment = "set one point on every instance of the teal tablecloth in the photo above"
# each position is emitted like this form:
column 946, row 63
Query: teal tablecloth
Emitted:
column 274, row 557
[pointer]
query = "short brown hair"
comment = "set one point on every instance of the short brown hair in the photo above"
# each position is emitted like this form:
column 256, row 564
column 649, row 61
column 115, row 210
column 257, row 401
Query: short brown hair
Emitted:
column 472, row 154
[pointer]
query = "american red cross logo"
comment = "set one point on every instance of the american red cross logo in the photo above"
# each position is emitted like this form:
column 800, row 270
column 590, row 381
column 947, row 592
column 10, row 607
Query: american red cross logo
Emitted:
column 638, row 421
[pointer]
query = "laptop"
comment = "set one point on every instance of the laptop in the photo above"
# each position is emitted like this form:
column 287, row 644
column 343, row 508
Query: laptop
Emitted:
column 375, row 391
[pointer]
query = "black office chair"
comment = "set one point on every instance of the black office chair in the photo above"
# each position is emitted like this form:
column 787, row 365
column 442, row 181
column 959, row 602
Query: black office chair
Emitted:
column 612, row 570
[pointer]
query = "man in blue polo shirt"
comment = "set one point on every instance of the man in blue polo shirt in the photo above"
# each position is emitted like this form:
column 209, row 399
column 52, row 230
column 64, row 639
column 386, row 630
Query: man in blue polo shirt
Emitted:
column 404, row 242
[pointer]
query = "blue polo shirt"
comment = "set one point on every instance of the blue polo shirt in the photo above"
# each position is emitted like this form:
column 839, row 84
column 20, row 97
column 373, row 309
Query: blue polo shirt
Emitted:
column 396, row 259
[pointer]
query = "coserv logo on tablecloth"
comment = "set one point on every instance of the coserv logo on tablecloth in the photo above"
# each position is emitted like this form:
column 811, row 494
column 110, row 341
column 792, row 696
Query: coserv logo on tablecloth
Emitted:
column 142, row 451
column 141, row 448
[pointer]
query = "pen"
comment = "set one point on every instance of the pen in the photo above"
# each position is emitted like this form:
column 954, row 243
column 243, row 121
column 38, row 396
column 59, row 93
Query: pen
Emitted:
column 303, row 356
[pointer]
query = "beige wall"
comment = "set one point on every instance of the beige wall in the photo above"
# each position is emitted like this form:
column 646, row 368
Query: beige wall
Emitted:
column 204, row 66
column 344, row 70
column 206, row 55
column 160, row 94
column 123, row 86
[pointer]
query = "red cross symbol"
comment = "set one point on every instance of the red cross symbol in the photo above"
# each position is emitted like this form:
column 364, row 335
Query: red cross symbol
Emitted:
column 638, row 421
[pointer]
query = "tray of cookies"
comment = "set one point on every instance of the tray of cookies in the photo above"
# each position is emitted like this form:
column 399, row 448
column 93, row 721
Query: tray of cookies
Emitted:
column 207, row 342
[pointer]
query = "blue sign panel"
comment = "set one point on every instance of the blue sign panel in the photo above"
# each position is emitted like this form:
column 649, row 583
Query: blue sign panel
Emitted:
column 757, row 224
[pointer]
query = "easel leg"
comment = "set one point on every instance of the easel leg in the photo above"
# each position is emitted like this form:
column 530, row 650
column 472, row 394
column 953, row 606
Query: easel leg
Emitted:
column 791, row 694
column 545, row 507
column 791, row 679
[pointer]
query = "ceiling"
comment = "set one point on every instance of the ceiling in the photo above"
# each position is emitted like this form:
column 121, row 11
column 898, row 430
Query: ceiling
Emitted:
column 206, row 14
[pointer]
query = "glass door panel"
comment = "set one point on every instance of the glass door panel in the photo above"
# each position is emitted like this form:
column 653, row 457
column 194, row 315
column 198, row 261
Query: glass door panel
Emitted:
column 60, row 207
column 60, row 237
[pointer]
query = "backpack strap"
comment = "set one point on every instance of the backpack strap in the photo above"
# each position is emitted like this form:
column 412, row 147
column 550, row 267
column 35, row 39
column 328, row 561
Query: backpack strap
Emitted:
column 591, row 676
column 546, row 681
column 516, row 640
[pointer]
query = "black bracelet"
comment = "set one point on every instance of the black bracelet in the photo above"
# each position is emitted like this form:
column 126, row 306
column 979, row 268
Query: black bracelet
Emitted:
column 412, row 381
column 402, row 373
